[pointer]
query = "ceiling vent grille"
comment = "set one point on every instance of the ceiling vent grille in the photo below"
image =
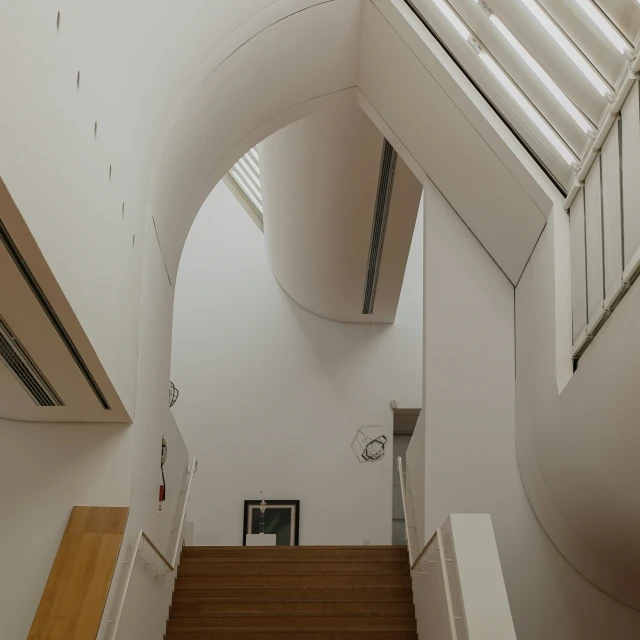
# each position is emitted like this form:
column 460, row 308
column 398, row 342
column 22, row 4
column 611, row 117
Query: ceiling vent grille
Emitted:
column 48, row 309
column 380, row 216
column 19, row 362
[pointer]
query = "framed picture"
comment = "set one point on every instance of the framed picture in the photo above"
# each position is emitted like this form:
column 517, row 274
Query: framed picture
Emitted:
column 281, row 517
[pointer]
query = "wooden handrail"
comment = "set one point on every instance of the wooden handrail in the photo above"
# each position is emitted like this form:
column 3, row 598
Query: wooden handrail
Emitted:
column 413, row 562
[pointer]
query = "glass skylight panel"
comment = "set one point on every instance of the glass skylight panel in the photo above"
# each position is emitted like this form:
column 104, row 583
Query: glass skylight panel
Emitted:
column 246, row 175
column 530, row 110
column 602, row 22
column 532, row 113
column 569, row 48
column 555, row 90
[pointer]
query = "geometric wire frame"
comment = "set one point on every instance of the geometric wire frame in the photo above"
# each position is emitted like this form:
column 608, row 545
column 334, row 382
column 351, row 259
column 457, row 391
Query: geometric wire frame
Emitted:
column 173, row 394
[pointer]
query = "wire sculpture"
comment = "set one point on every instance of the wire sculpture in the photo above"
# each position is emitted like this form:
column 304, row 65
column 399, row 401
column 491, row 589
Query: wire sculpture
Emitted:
column 173, row 394
column 369, row 443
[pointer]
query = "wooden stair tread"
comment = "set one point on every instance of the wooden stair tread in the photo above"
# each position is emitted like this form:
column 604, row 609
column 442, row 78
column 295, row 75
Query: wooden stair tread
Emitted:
column 241, row 582
column 271, row 593
column 302, row 568
column 363, row 622
column 357, row 547
column 299, row 594
column 211, row 609
column 291, row 634
column 294, row 560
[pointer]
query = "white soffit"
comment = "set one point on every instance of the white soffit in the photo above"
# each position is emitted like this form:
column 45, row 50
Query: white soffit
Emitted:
column 489, row 192
column 321, row 178
column 581, row 25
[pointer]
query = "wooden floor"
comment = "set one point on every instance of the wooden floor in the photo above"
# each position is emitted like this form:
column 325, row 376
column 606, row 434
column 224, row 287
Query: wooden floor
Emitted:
column 291, row 593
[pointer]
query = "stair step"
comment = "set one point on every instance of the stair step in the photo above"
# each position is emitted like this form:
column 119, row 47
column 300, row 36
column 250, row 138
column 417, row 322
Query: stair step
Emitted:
column 289, row 634
column 293, row 581
column 299, row 594
column 310, row 554
column 285, row 568
column 293, row 593
column 256, row 609
column 298, row 623
column 311, row 547
column 396, row 558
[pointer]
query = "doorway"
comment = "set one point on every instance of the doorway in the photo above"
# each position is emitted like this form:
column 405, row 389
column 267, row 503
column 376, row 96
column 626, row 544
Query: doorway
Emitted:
column 404, row 423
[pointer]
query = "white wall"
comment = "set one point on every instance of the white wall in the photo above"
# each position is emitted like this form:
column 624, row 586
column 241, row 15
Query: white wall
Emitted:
column 319, row 181
column 148, row 599
column 271, row 396
column 470, row 436
column 45, row 470
column 75, row 213
column 578, row 434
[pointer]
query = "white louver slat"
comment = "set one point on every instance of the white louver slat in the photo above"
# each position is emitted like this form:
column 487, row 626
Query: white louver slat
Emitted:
column 612, row 212
column 564, row 60
column 578, row 268
column 245, row 174
column 593, row 227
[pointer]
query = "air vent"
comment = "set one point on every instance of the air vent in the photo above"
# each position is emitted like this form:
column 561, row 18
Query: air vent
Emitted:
column 19, row 362
column 22, row 266
column 380, row 216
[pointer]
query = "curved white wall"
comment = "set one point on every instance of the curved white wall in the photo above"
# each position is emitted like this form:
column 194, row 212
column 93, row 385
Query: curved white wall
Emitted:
column 578, row 435
column 319, row 179
column 466, row 437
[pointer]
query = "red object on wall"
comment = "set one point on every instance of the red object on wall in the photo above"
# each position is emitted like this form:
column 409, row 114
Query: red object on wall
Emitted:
column 161, row 493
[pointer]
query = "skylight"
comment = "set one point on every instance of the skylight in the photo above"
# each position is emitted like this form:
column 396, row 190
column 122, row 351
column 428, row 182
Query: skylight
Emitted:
column 550, row 69
column 245, row 174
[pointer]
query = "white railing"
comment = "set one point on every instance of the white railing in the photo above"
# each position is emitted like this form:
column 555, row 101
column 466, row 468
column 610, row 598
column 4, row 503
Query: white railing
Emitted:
column 413, row 561
column 460, row 594
column 447, row 623
column 143, row 539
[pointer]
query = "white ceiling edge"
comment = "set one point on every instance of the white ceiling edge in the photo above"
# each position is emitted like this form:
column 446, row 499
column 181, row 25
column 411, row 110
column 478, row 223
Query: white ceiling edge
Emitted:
column 470, row 103
column 448, row 146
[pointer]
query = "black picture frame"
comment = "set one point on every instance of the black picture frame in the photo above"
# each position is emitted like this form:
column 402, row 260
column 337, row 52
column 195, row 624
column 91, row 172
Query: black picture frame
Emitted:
column 294, row 505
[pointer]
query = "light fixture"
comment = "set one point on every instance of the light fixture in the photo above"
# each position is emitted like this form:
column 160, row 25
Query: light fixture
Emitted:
column 569, row 48
column 606, row 27
column 453, row 18
column 533, row 114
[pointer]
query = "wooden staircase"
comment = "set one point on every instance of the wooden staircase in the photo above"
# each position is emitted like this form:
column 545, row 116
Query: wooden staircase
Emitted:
column 293, row 593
